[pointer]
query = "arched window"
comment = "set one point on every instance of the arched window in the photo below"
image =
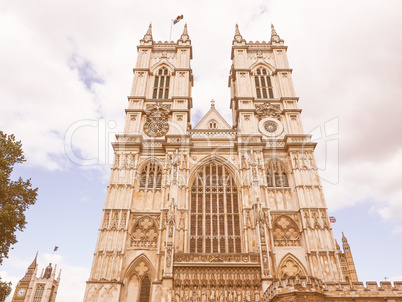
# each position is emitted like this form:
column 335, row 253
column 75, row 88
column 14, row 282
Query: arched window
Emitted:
column 276, row 175
column 263, row 84
column 214, row 210
column 212, row 124
column 145, row 289
column 151, row 177
column 39, row 292
column 161, row 84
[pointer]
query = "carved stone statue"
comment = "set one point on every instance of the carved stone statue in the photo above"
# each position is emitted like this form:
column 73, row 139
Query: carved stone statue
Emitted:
column 212, row 295
column 222, row 296
column 204, row 295
column 239, row 296
column 248, row 296
column 230, row 296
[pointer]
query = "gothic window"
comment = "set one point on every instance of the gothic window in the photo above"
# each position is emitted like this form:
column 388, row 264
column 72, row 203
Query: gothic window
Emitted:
column 214, row 209
column 161, row 84
column 39, row 293
column 286, row 232
column 212, row 124
column 276, row 175
column 263, row 84
column 145, row 289
column 151, row 177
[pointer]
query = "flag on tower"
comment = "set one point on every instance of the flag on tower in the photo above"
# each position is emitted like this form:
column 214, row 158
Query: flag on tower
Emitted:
column 332, row 219
column 55, row 248
column 178, row 18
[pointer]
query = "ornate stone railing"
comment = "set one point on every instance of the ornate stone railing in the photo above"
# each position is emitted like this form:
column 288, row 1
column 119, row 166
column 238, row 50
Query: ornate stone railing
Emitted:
column 250, row 258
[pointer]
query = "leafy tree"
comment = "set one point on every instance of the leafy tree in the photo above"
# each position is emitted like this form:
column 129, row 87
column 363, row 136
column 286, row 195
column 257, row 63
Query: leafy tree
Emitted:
column 15, row 198
column 5, row 290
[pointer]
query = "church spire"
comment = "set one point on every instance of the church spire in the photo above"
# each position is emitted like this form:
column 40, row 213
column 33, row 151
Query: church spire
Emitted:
column 34, row 262
column 184, row 36
column 237, row 37
column 148, row 35
column 274, row 36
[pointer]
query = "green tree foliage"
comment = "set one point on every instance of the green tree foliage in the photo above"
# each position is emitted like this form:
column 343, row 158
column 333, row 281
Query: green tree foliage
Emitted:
column 15, row 197
column 5, row 290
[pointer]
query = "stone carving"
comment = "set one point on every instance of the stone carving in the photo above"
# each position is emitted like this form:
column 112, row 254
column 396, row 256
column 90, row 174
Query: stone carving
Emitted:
column 286, row 232
column 123, row 220
column 141, row 268
column 211, row 258
column 290, row 268
column 106, row 219
column 156, row 123
column 268, row 110
column 145, row 233
column 115, row 219
column 168, row 256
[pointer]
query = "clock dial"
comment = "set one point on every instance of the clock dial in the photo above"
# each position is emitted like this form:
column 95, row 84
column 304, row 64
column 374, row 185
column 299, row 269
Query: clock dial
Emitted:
column 21, row 292
column 156, row 127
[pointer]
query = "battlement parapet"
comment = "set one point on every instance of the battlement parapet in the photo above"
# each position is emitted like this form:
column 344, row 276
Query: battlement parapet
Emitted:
column 311, row 286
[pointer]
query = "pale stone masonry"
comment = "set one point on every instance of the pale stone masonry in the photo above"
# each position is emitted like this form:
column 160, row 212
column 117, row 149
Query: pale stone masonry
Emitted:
column 217, row 212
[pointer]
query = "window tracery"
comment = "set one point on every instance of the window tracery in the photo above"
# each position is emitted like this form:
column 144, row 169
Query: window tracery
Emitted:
column 286, row 232
column 276, row 175
column 161, row 84
column 263, row 84
column 39, row 292
column 144, row 233
column 290, row 266
column 151, row 177
column 214, row 208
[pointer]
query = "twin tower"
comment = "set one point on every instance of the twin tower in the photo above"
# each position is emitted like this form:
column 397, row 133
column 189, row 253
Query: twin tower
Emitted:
column 214, row 212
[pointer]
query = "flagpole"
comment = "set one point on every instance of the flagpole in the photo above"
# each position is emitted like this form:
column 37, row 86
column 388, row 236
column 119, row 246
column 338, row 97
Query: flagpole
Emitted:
column 51, row 260
column 170, row 36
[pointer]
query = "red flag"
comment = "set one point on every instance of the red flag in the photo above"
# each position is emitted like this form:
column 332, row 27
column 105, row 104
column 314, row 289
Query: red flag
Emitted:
column 332, row 219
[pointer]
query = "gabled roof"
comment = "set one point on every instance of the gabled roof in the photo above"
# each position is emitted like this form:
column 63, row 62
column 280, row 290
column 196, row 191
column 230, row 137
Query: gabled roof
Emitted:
column 212, row 115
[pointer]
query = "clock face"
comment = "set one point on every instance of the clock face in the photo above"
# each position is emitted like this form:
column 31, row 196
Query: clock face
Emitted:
column 21, row 292
column 156, row 127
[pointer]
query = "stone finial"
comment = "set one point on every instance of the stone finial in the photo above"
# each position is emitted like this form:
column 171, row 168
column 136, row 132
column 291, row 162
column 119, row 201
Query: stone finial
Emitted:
column 148, row 35
column 344, row 240
column 338, row 248
column 274, row 36
column 212, row 103
column 184, row 36
column 237, row 37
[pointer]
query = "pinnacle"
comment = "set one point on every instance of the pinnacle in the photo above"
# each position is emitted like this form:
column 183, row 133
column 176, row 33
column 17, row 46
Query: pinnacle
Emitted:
column 184, row 36
column 274, row 36
column 237, row 37
column 148, row 35
column 344, row 238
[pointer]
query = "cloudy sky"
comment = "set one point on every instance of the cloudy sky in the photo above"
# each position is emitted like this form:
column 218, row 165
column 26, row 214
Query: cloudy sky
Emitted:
column 64, row 64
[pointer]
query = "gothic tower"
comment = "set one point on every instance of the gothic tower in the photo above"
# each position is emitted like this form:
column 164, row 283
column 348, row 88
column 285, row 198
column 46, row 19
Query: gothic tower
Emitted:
column 33, row 289
column 215, row 212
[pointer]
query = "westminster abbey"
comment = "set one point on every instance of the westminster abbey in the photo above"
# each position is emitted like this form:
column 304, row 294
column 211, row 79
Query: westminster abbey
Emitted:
column 215, row 212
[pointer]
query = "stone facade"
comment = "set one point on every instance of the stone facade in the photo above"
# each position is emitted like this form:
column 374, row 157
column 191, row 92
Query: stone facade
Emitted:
column 216, row 212
column 33, row 289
